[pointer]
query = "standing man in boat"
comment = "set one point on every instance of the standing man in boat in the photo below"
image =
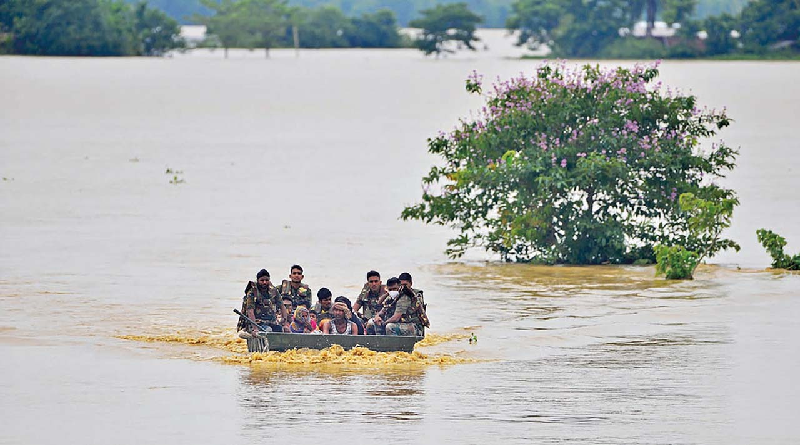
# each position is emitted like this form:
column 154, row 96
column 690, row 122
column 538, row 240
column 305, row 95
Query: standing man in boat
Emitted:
column 371, row 297
column 262, row 304
column 294, row 288
column 340, row 324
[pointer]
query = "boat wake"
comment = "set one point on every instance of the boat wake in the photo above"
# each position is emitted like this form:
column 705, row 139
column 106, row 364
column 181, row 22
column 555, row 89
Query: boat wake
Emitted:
column 358, row 357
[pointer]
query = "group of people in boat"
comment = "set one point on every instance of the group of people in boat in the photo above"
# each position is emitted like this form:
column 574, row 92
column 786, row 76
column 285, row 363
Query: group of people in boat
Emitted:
column 394, row 308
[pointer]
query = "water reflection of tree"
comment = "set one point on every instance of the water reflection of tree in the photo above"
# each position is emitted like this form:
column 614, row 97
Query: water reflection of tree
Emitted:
column 276, row 396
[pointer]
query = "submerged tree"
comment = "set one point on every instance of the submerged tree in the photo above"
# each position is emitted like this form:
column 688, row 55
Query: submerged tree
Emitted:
column 451, row 22
column 227, row 23
column 575, row 166
column 572, row 28
column 325, row 27
column 582, row 28
column 378, row 30
column 266, row 21
column 774, row 244
column 87, row 28
column 155, row 30
column 764, row 23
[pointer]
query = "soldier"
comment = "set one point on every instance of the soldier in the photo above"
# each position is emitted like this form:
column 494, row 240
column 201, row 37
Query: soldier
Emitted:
column 409, row 317
column 294, row 288
column 371, row 296
column 261, row 303
column 376, row 324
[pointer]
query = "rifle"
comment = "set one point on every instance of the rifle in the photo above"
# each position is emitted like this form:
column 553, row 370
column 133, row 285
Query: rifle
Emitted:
column 388, row 302
column 250, row 320
column 259, row 343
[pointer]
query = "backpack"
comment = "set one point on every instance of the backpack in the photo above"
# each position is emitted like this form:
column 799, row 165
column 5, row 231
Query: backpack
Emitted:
column 242, row 323
column 418, row 303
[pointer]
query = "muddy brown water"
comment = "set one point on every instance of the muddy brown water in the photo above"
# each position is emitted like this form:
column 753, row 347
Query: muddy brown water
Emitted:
column 310, row 160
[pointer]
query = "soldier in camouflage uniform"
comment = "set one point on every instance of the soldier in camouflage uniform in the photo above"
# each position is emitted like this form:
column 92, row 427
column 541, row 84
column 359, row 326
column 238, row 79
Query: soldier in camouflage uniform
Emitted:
column 294, row 288
column 377, row 325
column 370, row 300
column 410, row 317
column 262, row 304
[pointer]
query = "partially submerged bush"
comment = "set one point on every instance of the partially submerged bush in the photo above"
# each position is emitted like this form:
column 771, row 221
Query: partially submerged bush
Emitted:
column 675, row 262
column 774, row 244
column 577, row 166
column 707, row 218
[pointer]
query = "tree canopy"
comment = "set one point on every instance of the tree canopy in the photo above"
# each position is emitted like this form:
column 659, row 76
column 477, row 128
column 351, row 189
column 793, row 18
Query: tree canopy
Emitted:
column 494, row 12
column 269, row 23
column 87, row 28
column 589, row 28
column 442, row 24
column 766, row 22
column 572, row 28
column 576, row 166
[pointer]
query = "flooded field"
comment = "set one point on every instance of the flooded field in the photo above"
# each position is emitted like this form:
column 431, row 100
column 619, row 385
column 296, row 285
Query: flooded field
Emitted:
column 116, row 286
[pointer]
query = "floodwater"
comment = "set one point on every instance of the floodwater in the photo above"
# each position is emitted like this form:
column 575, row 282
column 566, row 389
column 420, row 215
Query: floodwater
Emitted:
column 310, row 160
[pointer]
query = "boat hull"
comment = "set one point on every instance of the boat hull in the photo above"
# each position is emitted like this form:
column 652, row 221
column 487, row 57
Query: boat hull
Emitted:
column 279, row 341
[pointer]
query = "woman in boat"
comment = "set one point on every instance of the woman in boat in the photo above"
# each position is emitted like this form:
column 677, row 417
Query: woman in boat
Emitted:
column 340, row 324
column 301, row 324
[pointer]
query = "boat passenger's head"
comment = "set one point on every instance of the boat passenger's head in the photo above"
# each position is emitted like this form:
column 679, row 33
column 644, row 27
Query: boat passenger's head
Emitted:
column 296, row 274
column 340, row 311
column 301, row 313
column 262, row 277
column 324, row 297
column 374, row 280
column 287, row 303
column 405, row 279
column 393, row 284
column 345, row 300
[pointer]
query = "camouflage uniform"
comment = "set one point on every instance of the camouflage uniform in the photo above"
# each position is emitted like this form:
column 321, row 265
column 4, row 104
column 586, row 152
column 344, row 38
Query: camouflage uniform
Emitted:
column 265, row 306
column 402, row 327
column 299, row 296
column 413, row 320
column 369, row 300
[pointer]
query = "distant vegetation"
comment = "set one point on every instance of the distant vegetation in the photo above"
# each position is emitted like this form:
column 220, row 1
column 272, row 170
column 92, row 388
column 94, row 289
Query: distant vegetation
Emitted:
column 442, row 24
column 272, row 24
column 494, row 12
column 602, row 29
column 85, row 28
column 569, row 28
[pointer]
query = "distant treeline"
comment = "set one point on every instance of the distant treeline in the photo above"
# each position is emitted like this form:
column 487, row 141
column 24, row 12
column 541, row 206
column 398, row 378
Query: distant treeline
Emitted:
column 494, row 12
column 273, row 24
column 570, row 28
column 85, row 28
column 763, row 28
